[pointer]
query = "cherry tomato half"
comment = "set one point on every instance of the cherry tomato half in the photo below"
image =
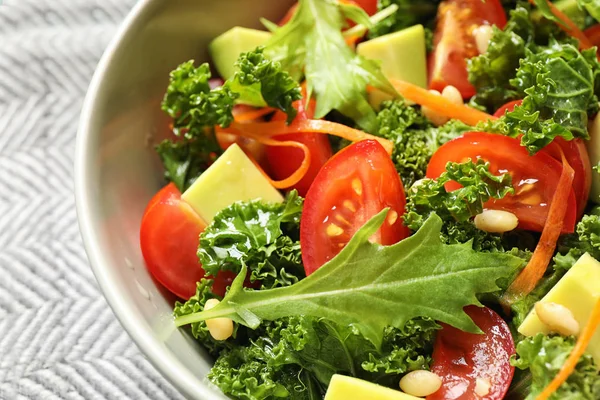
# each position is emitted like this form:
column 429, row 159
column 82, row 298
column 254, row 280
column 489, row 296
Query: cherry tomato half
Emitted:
column 354, row 185
column 461, row 358
column 169, row 237
column 283, row 161
column 577, row 156
column 534, row 178
column 454, row 43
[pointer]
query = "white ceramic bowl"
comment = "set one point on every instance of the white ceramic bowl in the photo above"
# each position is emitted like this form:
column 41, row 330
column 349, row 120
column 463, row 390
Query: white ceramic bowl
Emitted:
column 117, row 170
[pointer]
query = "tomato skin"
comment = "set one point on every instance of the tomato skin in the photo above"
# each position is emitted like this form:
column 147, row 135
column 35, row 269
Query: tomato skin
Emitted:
column 459, row 358
column 353, row 186
column 454, row 42
column 283, row 161
column 169, row 237
column 577, row 156
column 534, row 177
column 593, row 33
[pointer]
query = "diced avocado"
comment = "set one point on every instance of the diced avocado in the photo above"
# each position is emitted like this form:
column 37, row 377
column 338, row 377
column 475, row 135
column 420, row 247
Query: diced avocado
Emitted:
column 402, row 56
column 227, row 47
column 233, row 177
column 593, row 148
column 347, row 388
column 578, row 290
column 569, row 7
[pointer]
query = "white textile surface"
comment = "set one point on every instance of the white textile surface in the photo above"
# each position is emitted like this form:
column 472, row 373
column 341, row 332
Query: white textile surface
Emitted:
column 58, row 337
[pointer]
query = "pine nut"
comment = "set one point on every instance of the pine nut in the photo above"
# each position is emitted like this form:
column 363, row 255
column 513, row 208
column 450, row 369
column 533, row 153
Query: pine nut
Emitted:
column 482, row 387
column 420, row 383
column 431, row 115
column 483, row 35
column 219, row 328
column 496, row 221
column 558, row 318
column 452, row 94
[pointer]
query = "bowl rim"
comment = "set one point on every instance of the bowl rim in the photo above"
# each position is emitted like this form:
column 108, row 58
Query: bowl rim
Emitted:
column 136, row 327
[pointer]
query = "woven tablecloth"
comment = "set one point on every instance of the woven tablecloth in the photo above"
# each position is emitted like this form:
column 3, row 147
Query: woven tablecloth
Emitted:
column 58, row 337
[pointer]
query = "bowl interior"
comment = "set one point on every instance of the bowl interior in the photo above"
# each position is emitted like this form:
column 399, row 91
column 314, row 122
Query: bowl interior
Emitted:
column 118, row 171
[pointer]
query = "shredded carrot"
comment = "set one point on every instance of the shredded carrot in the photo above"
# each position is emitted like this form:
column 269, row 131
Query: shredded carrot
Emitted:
column 536, row 267
column 290, row 180
column 571, row 362
column 274, row 128
column 440, row 104
column 569, row 26
column 253, row 114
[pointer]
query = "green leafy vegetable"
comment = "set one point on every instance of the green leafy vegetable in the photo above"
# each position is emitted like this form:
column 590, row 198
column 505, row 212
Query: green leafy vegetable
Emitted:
column 457, row 207
column 312, row 43
column 370, row 286
column 409, row 13
column 415, row 138
column 491, row 71
column 592, row 7
column 544, row 356
column 560, row 84
column 185, row 160
column 258, row 82
column 199, row 329
column 262, row 236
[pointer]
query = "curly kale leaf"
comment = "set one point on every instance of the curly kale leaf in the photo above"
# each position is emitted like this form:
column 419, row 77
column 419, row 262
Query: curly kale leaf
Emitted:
column 199, row 329
column 261, row 82
column 491, row 71
column 560, row 85
column 409, row 13
column 457, row 207
column 194, row 106
column 262, row 236
column 543, row 356
column 270, row 365
column 185, row 160
column 415, row 139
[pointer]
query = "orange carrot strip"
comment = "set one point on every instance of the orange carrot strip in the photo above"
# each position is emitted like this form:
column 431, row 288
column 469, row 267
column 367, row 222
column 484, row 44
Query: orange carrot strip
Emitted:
column 535, row 269
column 571, row 362
column 569, row 26
column 440, row 104
column 274, row 128
column 293, row 178
column 253, row 114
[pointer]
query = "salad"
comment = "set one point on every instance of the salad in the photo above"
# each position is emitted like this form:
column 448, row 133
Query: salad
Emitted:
column 389, row 199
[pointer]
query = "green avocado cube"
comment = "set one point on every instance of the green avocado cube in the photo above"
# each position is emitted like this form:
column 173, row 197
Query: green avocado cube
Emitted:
column 233, row 177
column 226, row 48
column 402, row 55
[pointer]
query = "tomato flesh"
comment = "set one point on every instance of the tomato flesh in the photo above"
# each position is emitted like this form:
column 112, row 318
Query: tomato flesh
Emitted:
column 352, row 187
column 284, row 161
column 460, row 358
column 169, row 237
column 577, row 156
column 454, row 42
column 534, row 178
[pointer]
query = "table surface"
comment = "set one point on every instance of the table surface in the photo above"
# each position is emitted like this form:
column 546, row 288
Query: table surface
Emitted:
column 58, row 337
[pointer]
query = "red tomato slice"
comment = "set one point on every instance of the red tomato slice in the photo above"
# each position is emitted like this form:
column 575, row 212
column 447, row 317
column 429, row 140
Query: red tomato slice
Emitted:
column 169, row 237
column 460, row 358
column 534, row 177
column 454, row 42
column 354, row 185
column 283, row 161
column 593, row 33
column 576, row 155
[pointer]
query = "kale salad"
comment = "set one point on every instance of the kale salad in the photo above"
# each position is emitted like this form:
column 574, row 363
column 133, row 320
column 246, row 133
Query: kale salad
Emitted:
column 389, row 199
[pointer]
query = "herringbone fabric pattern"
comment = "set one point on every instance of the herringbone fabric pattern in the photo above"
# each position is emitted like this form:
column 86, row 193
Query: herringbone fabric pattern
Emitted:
column 58, row 338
